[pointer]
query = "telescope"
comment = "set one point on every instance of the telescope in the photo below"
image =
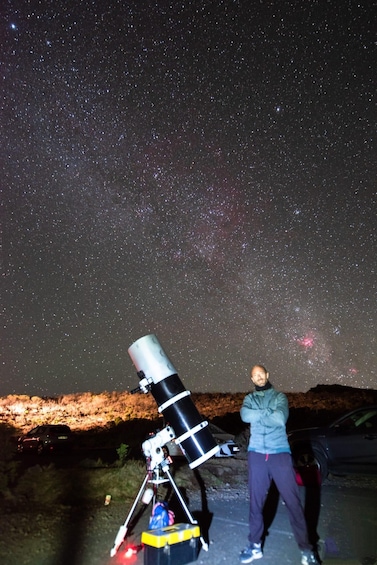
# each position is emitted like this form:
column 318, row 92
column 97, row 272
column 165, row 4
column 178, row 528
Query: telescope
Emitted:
column 158, row 376
column 189, row 430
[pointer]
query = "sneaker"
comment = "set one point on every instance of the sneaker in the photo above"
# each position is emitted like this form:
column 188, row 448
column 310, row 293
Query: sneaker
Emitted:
column 253, row 551
column 308, row 558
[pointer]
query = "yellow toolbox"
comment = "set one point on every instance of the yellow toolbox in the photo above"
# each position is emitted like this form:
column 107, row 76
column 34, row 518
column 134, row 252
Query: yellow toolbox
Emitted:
column 173, row 545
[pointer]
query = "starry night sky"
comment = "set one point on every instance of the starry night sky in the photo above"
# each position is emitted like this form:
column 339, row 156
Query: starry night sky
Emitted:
column 202, row 170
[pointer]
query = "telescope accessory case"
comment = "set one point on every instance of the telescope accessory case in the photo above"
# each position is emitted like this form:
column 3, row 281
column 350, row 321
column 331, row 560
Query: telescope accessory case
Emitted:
column 174, row 545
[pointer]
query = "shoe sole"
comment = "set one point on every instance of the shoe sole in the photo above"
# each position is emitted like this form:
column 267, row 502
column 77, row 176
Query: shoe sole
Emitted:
column 253, row 558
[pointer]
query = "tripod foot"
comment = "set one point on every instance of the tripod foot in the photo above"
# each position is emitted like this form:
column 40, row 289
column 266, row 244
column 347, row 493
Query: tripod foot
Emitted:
column 119, row 540
column 204, row 544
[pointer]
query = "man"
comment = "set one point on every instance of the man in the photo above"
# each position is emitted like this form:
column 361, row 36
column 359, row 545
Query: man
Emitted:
column 269, row 458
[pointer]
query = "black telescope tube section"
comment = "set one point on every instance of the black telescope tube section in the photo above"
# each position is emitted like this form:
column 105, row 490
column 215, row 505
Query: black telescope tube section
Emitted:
column 167, row 389
column 184, row 417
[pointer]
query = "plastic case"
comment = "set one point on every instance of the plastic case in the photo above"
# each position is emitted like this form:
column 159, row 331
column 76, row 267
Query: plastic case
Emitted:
column 173, row 545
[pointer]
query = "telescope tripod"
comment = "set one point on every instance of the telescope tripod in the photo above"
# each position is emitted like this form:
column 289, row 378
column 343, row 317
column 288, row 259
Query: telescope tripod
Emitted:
column 154, row 477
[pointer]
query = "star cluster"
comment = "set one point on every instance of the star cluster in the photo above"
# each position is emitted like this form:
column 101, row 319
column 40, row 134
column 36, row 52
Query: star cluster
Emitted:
column 205, row 171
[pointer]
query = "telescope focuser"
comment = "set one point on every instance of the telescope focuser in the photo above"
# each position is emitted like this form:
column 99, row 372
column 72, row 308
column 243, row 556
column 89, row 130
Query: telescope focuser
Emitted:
column 144, row 385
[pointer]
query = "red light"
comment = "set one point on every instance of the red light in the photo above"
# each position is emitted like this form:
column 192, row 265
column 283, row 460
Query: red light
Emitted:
column 130, row 552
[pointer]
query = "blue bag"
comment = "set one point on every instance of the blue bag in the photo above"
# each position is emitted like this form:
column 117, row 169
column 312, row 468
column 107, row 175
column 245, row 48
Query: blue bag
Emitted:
column 161, row 516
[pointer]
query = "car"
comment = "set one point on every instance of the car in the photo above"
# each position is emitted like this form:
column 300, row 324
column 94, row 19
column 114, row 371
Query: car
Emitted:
column 46, row 438
column 347, row 445
column 228, row 447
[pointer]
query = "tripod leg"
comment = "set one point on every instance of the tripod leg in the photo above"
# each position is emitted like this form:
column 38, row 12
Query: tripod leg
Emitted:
column 123, row 528
column 185, row 507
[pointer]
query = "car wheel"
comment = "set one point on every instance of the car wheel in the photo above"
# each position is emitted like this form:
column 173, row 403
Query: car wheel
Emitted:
column 311, row 461
column 321, row 463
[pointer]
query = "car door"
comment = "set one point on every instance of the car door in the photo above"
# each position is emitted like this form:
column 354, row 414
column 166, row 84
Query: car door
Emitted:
column 353, row 442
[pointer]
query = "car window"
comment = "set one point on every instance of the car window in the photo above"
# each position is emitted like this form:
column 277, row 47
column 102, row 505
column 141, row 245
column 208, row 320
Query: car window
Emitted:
column 346, row 424
column 367, row 421
column 362, row 420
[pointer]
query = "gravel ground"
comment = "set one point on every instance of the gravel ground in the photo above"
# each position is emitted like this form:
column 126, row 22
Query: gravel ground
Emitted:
column 84, row 535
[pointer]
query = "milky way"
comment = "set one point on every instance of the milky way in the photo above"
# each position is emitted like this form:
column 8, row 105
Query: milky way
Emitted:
column 204, row 171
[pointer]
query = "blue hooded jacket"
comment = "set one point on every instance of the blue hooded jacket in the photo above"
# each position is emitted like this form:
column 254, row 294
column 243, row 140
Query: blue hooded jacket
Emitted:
column 267, row 413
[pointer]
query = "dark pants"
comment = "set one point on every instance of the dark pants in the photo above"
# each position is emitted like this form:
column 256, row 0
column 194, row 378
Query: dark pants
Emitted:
column 262, row 470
